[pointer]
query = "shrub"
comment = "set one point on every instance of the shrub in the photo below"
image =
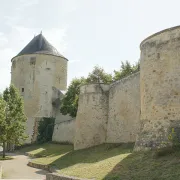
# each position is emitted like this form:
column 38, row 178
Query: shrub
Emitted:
column 45, row 129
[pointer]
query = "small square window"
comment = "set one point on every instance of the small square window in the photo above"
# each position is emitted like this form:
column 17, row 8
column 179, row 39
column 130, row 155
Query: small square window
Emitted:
column 22, row 89
column 32, row 60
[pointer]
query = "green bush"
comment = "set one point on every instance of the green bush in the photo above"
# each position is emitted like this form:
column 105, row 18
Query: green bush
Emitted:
column 45, row 129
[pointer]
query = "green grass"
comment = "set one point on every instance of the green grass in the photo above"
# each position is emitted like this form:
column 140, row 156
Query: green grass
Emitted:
column 108, row 162
column 6, row 158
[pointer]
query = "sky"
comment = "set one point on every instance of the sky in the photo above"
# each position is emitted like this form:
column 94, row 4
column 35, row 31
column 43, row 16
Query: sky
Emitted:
column 86, row 32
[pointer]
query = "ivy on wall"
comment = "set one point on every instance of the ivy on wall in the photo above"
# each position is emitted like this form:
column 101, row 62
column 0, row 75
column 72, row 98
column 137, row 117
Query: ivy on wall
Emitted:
column 45, row 129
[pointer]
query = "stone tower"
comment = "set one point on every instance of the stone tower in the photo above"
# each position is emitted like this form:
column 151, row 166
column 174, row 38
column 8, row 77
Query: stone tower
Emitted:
column 39, row 71
column 160, row 88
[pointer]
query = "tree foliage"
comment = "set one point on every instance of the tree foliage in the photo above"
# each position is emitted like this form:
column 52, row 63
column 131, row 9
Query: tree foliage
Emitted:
column 70, row 100
column 126, row 70
column 12, row 122
column 3, row 124
column 98, row 75
column 69, row 104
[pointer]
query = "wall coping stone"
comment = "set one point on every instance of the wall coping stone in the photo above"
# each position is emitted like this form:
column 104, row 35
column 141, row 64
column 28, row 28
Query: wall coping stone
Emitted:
column 160, row 32
column 123, row 80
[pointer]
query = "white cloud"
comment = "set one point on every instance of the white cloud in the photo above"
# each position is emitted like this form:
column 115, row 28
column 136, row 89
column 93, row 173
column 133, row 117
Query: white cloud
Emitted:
column 26, row 3
column 18, row 36
column 56, row 36
column 3, row 40
column 12, row 20
column 5, row 68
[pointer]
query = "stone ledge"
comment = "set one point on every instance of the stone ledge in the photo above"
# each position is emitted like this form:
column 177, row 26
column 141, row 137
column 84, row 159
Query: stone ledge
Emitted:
column 41, row 166
column 55, row 176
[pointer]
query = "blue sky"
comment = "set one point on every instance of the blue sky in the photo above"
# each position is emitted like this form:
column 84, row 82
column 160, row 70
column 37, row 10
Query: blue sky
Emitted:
column 87, row 32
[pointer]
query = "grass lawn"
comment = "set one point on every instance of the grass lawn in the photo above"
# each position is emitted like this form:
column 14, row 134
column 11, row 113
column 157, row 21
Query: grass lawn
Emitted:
column 6, row 158
column 108, row 162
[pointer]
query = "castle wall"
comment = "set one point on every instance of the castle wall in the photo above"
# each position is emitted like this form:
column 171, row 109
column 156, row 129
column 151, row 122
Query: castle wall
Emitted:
column 35, row 75
column 160, row 88
column 124, row 110
column 64, row 132
column 92, row 116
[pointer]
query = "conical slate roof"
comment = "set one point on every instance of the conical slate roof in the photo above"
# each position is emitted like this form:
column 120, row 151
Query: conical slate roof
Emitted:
column 39, row 45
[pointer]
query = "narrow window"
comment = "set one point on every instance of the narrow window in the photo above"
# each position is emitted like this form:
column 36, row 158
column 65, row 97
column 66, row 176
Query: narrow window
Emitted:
column 22, row 89
column 32, row 60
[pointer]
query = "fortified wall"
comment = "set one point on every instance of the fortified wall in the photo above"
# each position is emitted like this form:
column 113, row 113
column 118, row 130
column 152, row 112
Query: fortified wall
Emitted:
column 142, row 108
column 108, row 113
column 92, row 116
column 39, row 72
column 160, row 88
column 124, row 110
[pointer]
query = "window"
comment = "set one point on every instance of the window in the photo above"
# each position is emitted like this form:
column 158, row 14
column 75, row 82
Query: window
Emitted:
column 32, row 60
column 22, row 89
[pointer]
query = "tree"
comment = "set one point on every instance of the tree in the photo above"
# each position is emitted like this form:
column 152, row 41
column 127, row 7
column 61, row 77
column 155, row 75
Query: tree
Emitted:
column 13, row 118
column 126, row 70
column 3, row 124
column 70, row 100
column 99, row 75
column 45, row 129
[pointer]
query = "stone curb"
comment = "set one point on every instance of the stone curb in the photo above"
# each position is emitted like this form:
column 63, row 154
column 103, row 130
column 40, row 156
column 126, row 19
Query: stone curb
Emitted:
column 55, row 176
column 41, row 166
column 1, row 171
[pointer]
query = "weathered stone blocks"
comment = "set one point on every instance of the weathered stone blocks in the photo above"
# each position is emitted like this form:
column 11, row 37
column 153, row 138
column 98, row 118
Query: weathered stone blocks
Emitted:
column 159, row 88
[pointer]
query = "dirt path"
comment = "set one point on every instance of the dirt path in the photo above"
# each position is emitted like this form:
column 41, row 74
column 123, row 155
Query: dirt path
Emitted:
column 18, row 169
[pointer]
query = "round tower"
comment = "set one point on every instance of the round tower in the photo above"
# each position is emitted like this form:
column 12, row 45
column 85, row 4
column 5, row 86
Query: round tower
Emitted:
column 160, row 88
column 39, row 71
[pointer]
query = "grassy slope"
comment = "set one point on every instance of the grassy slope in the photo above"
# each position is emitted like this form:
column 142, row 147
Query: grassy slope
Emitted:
column 108, row 162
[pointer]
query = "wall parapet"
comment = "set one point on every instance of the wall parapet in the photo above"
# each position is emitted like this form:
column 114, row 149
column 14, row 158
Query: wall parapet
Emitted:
column 94, row 88
column 158, row 33
column 123, row 80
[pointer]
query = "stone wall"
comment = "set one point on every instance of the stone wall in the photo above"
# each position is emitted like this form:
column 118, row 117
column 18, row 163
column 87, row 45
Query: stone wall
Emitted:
column 64, row 131
column 92, row 116
column 124, row 110
column 35, row 76
column 160, row 88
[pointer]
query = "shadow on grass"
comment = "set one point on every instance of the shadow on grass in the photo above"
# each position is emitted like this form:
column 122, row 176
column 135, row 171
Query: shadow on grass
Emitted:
column 47, row 149
column 136, row 166
column 92, row 155
column 145, row 165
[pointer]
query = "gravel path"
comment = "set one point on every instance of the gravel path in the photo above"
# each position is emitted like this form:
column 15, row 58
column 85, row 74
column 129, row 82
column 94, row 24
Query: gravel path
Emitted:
column 18, row 169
